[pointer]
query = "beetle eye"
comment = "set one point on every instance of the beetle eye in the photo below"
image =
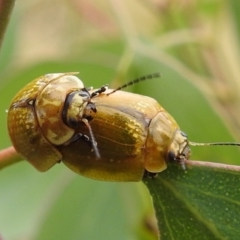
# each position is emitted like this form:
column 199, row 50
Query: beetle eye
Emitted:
column 84, row 94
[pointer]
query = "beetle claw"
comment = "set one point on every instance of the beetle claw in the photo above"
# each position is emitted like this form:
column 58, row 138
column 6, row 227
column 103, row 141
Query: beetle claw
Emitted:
column 151, row 175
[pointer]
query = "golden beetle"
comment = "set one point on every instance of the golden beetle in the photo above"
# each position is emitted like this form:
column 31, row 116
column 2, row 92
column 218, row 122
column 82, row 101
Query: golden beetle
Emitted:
column 38, row 121
column 134, row 134
column 98, row 134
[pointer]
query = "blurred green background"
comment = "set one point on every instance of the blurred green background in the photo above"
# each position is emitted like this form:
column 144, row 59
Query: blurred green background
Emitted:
column 195, row 47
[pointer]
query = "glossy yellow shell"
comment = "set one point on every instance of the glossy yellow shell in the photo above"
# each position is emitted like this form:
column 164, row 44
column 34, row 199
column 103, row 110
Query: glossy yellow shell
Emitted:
column 35, row 119
column 115, row 137
column 133, row 134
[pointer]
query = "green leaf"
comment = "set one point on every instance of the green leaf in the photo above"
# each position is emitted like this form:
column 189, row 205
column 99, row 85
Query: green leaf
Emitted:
column 202, row 202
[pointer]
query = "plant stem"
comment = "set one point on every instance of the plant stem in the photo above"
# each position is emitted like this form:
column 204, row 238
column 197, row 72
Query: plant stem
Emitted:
column 8, row 156
column 217, row 166
column 6, row 7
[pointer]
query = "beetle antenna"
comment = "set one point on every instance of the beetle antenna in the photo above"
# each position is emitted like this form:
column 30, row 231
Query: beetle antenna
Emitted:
column 93, row 141
column 137, row 80
column 215, row 144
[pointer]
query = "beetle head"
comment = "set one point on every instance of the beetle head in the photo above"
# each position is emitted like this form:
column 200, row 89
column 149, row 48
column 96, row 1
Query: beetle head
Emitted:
column 179, row 148
column 78, row 106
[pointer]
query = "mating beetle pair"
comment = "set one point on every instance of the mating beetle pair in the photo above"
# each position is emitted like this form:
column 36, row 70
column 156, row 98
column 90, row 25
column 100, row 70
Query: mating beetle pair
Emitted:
column 103, row 134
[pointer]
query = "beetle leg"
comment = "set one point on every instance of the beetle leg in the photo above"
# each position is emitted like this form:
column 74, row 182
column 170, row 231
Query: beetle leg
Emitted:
column 151, row 175
column 76, row 138
column 92, row 138
column 80, row 136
